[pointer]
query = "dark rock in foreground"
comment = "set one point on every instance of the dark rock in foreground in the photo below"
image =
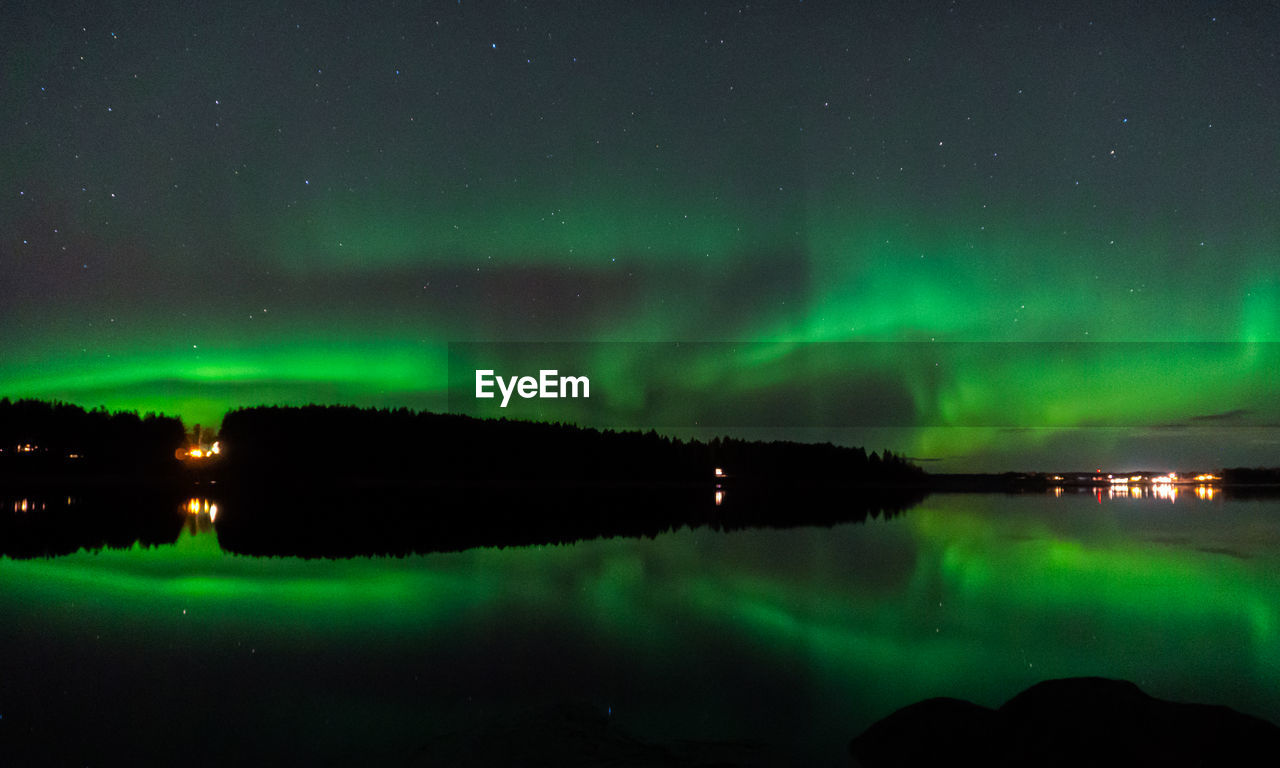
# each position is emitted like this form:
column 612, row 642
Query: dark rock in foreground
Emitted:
column 1075, row 721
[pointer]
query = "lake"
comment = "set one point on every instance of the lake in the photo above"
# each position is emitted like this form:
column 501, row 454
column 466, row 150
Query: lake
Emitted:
column 767, row 645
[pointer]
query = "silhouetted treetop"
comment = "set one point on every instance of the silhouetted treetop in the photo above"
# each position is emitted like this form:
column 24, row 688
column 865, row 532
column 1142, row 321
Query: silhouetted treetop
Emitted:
column 40, row 437
column 331, row 442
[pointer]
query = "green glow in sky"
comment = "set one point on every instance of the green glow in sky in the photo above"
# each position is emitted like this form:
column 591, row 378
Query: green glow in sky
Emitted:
column 313, row 214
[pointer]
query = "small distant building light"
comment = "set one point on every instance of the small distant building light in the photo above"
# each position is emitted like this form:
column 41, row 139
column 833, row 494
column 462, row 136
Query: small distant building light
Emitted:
column 719, row 472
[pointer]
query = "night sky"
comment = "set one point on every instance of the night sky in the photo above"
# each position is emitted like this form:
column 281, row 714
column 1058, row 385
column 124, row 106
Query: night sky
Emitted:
column 210, row 205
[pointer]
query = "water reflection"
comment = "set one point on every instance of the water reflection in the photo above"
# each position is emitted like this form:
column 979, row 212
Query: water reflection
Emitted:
column 48, row 524
column 351, row 522
column 36, row 504
column 1161, row 491
column 680, row 636
column 202, row 514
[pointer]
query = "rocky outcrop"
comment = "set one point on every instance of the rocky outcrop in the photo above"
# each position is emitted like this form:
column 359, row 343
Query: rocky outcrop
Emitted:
column 1074, row 721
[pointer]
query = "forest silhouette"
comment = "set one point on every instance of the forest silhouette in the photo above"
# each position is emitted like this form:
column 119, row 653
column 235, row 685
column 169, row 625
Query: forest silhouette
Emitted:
column 339, row 481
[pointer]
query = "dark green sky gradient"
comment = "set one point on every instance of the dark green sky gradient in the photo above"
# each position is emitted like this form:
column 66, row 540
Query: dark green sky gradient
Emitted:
column 208, row 207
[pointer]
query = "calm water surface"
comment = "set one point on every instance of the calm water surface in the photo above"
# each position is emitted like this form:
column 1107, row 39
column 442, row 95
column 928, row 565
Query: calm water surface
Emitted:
column 796, row 639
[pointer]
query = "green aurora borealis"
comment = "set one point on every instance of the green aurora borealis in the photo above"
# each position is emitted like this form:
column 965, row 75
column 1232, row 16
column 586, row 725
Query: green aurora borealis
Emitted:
column 206, row 208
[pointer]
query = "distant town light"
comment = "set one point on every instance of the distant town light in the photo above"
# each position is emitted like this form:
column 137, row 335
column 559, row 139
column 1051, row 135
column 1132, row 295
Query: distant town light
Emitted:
column 719, row 472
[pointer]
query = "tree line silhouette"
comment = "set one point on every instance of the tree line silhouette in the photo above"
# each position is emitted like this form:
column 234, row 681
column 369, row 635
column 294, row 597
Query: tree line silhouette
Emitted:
column 1252, row 475
column 338, row 481
column 60, row 441
column 403, row 447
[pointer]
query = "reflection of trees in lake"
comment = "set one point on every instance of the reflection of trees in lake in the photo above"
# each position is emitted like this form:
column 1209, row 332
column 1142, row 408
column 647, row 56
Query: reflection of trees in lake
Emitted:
column 44, row 523
column 345, row 522
column 336, row 522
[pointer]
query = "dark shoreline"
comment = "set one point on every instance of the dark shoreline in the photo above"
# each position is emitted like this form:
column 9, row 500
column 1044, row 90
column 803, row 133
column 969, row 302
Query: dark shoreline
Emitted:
column 1069, row 721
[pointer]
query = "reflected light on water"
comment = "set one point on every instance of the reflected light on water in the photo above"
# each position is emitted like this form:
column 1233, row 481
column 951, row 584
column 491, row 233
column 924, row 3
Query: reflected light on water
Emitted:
column 27, row 504
column 200, row 510
column 1162, row 490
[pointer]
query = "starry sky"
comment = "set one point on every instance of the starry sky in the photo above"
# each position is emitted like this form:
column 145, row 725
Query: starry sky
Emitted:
column 210, row 205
